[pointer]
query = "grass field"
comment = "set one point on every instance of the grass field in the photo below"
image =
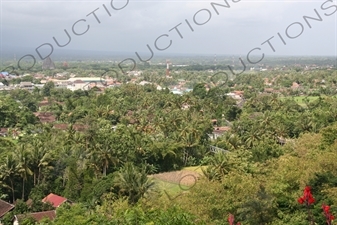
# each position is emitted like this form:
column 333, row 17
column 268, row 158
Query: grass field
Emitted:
column 301, row 99
column 197, row 169
column 177, row 181
column 169, row 187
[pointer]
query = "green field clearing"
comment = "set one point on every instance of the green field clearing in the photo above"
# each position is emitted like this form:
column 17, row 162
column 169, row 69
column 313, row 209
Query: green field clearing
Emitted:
column 173, row 187
column 301, row 99
column 170, row 188
column 197, row 169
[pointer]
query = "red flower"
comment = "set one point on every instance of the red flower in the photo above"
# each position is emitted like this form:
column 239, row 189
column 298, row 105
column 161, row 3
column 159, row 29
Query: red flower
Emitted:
column 326, row 208
column 231, row 219
column 300, row 200
column 328, row 216
column 307, row 197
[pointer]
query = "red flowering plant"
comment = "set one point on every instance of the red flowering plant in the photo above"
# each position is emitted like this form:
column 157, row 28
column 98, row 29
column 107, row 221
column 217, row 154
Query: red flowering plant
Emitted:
column 328, row 216
column 231, row 220
column 308, row 200
column 307, row 197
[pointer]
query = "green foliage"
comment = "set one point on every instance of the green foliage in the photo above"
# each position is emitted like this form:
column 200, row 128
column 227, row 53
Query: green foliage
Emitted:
column 112, row 141
column 133, row 182
column 20, row 207
column 93, row 191
column 14, row 114
column 259, row 210
column 233, row 113
column 329, row 135
column 74, row 181
column 28, row 221
column 47, row 88
column 74, row 215
column 200, row 90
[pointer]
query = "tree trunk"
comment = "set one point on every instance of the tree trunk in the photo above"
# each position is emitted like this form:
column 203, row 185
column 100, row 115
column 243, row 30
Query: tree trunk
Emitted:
column 23, row 189
column 104, row 170
column 12, row 187
column 35, row 176
column 39, row 176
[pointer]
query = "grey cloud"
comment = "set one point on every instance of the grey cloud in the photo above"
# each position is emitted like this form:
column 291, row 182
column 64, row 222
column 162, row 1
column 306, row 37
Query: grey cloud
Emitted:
column 236, row 30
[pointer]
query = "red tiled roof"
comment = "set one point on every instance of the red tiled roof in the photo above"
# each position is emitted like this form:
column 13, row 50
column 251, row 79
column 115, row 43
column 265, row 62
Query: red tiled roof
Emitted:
column 38, row 215
column 78, row 82
column 3, row 130
column 5, row 207
column 55, row 200
column 239, row 92
column 45, row 117
column 222, row 128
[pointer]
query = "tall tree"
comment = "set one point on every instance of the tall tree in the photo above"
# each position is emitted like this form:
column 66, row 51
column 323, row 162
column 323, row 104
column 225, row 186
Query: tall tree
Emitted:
column 134, row 182
column 22, row 156
column 8, row 171
column 40, row 158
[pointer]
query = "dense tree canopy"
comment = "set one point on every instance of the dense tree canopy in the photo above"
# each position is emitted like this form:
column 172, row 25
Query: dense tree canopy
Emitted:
column 100, row 150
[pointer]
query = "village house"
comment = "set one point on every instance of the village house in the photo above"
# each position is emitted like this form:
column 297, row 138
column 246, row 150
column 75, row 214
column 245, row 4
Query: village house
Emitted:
column 55, row 200
column 218, row 132
column 3, row 132
column 45, row 117
column 26, row 85
column 3, row 74
column 5, row 207
column 295, row 85
column 37, row 216
column 77, row 85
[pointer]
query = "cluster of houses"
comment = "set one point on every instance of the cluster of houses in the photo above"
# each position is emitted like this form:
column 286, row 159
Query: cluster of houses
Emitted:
column 73, row 84
column 53, row 199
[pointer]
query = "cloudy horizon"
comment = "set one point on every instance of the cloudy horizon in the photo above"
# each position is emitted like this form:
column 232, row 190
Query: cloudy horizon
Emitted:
column 230, row 27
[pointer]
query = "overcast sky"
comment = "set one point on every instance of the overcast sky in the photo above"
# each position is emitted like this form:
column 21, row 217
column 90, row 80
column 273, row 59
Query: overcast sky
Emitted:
column 236, row 29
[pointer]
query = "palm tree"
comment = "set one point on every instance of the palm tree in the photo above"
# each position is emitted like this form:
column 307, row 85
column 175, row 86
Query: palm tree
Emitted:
column 275, row 101
column 22, row 156
column 230, row 140
column 305, row 122
column 104, row 153
column 8, row 171
column 190, row 138
column 219, row 166
column 266, row 120
column 40, row 157
column 5, row 143
column 134, row 182
column 252, row 137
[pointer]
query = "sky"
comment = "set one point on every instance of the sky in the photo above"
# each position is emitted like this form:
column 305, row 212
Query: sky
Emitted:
column 130, row 25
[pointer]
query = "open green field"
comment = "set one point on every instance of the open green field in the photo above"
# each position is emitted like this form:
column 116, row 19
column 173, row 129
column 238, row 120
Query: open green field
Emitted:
column 197, row 169
column 301, row 99
column 178, row 181
column 169, row 187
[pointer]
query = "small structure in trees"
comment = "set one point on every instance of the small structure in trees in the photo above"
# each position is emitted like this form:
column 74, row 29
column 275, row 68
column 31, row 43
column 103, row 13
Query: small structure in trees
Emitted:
column 48, row 64
column 36, row 217
column 55, row 200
